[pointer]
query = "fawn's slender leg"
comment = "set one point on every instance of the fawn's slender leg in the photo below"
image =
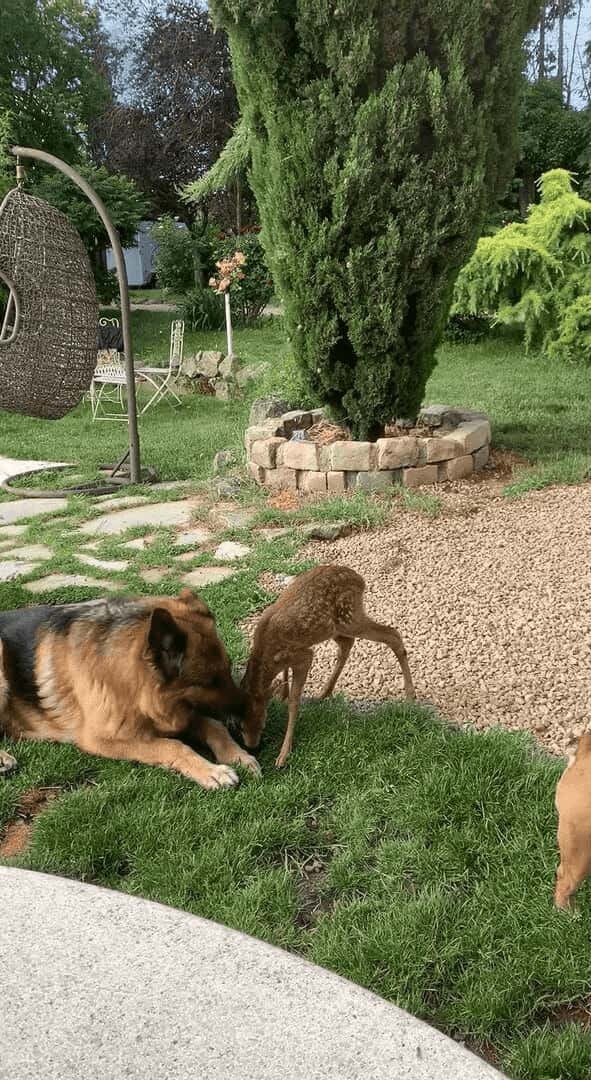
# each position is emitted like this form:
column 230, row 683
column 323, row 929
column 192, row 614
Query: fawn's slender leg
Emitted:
column 299, row 673
column 388, row 635
column 345, row 645
column 280, row 687
column 575, row 863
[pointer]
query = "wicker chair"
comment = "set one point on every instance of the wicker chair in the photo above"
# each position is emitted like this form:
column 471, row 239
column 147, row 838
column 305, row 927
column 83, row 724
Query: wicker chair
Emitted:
column 48, row 336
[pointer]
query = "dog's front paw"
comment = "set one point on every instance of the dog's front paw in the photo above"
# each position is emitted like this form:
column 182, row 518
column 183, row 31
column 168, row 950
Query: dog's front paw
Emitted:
column 249, row 762
column 218, row 776
column 7, row 763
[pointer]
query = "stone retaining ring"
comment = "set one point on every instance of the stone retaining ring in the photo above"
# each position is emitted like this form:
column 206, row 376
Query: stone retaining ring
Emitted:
column 455, row 444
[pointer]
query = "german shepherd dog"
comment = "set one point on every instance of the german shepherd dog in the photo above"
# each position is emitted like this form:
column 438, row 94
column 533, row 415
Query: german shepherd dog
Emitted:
column 122, row 678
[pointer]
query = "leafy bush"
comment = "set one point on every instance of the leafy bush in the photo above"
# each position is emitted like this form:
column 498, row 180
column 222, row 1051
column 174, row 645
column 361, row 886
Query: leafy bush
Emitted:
column 573, row 343
column 465, row 329
column 286, row 380
column 202, row 309
column 174, row 256
column 252, row 293
column 537, row 274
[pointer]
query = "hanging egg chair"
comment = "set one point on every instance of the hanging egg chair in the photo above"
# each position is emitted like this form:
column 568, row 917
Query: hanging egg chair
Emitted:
column 48, row 336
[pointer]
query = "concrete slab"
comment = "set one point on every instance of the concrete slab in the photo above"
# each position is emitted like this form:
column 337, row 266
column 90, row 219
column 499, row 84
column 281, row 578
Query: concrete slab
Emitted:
column 10, row 467
column 151, row 514
column 61, row 581
column 21, row 509
column 109, row 985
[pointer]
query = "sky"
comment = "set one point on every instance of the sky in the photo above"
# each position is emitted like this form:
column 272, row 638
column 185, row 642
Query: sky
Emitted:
column 113, row 24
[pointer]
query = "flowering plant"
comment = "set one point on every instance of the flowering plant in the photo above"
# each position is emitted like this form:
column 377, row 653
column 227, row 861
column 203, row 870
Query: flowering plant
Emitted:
column 229, row 273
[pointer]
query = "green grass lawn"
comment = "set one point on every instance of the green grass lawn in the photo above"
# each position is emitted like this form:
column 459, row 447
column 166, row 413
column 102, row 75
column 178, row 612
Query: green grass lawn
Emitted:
column 412, row 857
column 178, row 443
column 539, row 410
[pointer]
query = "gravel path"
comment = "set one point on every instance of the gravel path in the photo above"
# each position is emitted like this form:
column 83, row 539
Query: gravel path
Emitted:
column 494, row 607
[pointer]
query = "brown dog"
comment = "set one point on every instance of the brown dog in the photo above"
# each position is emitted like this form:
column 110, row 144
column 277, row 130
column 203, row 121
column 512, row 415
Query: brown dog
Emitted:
column 326, row 602
column 122, row 678
column 573, row 802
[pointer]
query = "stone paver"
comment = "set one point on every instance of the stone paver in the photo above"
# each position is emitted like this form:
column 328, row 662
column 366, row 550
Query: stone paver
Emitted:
column 228, row 551
column 120, row 502
column 12, row 530
column 207, row 575
column 21, row 509
column 234, row 519
column 29, row 551
column 193, row 536
column 168, row 485
column 179, row 997
column 170, row 513
column 13, row 568
column 273, row 533
column 117, row 565
column 154, row 575
column 139, row 544
column 60, row 581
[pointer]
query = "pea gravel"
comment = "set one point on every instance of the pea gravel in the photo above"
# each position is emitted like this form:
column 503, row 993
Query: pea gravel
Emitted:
column 493, row 604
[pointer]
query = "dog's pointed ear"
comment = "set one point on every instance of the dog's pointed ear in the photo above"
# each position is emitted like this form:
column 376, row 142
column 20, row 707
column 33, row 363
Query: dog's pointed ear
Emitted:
column 195, row 603
column 167, row 642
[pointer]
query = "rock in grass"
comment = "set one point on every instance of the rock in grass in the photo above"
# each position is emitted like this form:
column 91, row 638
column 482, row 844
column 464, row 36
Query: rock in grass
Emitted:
column 327, row 530
column 224, row 459
column 263, row 408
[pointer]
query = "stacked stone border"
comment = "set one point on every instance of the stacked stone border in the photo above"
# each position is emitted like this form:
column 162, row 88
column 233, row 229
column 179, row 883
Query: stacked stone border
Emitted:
column 455, row 446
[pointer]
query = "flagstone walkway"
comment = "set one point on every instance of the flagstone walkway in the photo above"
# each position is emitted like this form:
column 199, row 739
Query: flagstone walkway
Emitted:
column 105, row 551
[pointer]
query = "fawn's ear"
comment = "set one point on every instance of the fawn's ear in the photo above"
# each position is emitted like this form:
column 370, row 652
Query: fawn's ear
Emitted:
column 167, row 642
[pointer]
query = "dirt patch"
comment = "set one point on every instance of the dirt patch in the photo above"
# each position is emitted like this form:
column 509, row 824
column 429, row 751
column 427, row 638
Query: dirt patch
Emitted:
column 17, row 833
column 285, row 500
column 573, row 1013
column 311, row 901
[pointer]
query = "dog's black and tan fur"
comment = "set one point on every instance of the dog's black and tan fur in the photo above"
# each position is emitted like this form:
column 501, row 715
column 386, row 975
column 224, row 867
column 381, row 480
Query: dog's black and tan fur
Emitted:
column 122, row 678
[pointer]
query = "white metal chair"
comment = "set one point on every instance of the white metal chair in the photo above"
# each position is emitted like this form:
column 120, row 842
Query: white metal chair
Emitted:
column 163, row 379
column 108, row 382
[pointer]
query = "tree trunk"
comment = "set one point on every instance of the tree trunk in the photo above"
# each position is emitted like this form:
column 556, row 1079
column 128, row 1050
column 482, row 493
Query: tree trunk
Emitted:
column 560, row 58
column 542, row 45
column 238, row 206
